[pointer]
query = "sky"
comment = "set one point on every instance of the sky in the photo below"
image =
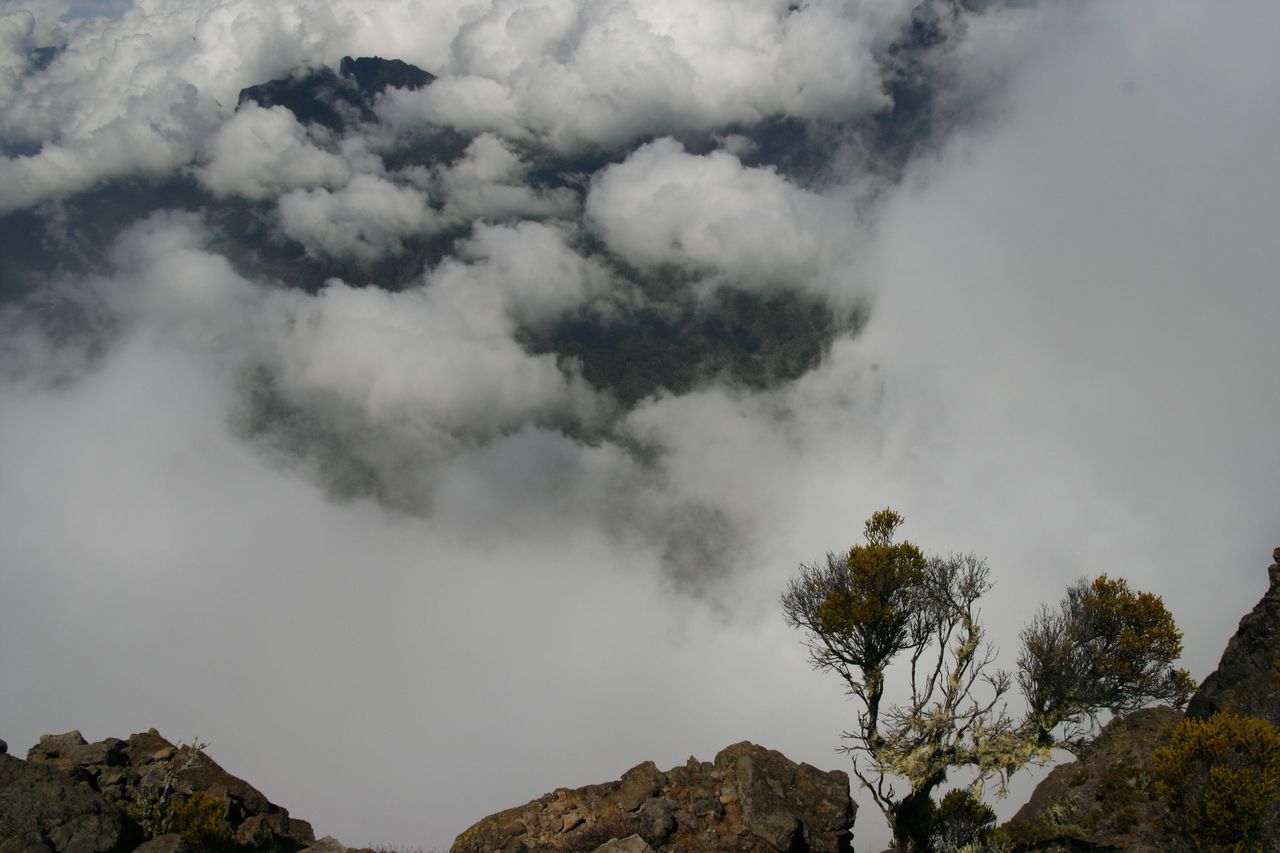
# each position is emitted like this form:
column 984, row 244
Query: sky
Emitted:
column 1068, row 366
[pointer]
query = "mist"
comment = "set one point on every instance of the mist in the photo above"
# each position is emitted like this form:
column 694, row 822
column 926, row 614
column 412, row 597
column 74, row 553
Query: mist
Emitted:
column 403, row 566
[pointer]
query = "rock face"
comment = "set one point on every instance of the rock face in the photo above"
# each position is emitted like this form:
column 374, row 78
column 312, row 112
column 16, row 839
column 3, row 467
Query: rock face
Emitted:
column 1103, row 801
column 750, row 799
column 43, row 810
column 1247, row 680
column 123, row 778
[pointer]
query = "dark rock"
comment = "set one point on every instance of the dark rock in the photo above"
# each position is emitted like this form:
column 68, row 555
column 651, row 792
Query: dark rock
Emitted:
column 373, row 75
column 1104, row 800
column 129, row 773
column 42, row 808
column 72, row 755
column 32, row 842
column 328, row 844
column 639, row 784
column 749, row 800
column 4, row 748
column 169, row 843
column 53, row 747
column 1247, row 680
column 336, row 101
column 783, row 802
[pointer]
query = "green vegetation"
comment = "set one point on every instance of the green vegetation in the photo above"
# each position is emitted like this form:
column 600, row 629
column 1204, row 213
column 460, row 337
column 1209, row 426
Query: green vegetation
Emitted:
column 1220, row 781
column 962, row 822
column 666, row 341
column 1104, row 648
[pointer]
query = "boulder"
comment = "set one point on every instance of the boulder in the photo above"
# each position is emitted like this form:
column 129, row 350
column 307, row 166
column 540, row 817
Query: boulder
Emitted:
column 1247, row 680
column 129, row 773
column 630, row 844
column 748, row 800
column 42, row 809
column 328, row 844
column 1103, row 801
column 168, row 843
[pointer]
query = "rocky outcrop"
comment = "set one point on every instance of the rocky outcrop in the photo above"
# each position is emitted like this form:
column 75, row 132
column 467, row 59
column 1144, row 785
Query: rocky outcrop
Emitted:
column 43, row 810
column 1104, row 800
column 123, row 781
column 1247, row 680
column 749, row 799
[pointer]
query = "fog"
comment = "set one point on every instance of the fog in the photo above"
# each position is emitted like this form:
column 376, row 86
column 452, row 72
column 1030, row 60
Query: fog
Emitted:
column 402, row 571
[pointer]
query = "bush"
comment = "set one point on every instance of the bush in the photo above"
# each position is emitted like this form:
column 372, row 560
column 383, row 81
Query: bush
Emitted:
column 962, row 822
column 1220, row 781
column 200, row 819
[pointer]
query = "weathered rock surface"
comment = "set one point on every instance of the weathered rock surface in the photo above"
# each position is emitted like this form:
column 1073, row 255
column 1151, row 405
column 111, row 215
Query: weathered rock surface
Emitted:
column 1247, row 680
column 44, row 810
column 127, row 774
column 1103, row 801
column 749, row 800
column 167, row 843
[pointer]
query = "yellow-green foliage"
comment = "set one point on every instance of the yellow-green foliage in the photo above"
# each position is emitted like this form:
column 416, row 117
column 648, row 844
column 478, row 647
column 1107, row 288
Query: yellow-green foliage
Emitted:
column 1134, row 635
column 200, row 820
column 1220, row 779
column 884, row 575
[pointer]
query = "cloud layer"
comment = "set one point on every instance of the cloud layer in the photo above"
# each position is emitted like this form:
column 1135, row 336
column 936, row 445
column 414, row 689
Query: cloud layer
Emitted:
column 402, row 571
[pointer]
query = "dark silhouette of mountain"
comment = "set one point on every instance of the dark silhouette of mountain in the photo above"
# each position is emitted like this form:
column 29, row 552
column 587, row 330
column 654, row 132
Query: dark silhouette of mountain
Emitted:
column 337, row 101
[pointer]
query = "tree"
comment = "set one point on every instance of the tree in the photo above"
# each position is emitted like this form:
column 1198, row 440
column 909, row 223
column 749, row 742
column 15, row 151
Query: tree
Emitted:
column 885, row 602
column 1104, row 648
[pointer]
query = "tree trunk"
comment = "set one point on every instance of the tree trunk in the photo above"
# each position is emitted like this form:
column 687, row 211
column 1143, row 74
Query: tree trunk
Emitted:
column 911, row 818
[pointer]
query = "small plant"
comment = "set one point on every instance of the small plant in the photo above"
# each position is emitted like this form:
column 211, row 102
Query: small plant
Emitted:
column 962, row 822
column 1220, row 781
column 153, row 809
column 201, row 821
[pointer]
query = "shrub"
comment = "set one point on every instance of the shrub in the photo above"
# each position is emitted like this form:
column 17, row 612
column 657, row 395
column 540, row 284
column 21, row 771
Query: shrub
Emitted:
column 200, row 819
column 961, row 822
column 1220, row 781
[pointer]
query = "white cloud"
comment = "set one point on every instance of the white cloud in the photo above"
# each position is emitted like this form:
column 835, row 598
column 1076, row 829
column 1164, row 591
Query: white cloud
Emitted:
column 137, row 92
column 527, row 271
column 259, row 153
column 16, row 30
column 605, row 72
column 366, row 219
column 487, row 182
column 711, row 214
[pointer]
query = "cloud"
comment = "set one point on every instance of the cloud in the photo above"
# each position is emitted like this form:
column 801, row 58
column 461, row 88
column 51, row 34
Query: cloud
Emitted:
column 260, row 153
column 16, row 31
column 604, row 73
column 139, row 91
column 366, row 219
column 487, row 182
column 299, row 510
column 711, row 214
